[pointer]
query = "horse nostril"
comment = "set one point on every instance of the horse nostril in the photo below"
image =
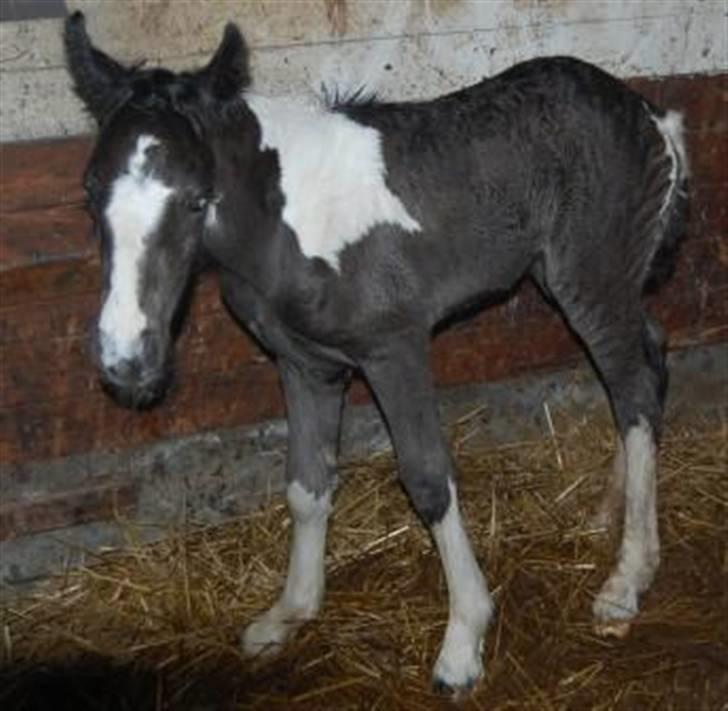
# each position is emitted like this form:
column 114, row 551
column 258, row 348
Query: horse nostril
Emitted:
column 124, row 371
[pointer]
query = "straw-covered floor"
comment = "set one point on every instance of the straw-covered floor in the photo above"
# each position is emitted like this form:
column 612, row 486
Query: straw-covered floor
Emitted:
column 156, row 627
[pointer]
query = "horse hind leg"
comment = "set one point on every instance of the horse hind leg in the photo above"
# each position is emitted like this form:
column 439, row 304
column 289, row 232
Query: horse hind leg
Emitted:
column 611, row 507
column 627, row 349
column 638, row 394
column 617, row 601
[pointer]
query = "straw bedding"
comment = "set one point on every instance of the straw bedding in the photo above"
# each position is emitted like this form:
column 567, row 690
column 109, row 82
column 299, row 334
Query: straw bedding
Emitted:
column 156, row 626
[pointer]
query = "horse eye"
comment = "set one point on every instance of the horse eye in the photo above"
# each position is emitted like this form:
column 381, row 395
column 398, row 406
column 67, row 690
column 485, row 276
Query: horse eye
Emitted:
column 198, row 204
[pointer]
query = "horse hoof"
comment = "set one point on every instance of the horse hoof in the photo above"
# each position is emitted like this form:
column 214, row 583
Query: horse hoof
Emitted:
column 264, row 637
column 618, row 629
column 452, row 690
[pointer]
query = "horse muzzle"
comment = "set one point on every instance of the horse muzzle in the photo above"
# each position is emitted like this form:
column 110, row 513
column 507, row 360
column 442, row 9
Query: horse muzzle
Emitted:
column 133, row 386
column 139, row 380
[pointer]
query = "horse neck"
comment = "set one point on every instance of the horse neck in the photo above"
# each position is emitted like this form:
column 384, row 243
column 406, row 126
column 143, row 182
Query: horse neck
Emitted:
column 250, row 239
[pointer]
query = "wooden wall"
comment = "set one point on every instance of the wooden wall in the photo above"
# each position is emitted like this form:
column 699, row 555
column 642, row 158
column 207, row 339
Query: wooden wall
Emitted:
column 51, row 405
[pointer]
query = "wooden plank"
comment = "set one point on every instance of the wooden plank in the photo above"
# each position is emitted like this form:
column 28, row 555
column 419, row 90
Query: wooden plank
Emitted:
column 66, row 316
column 703, row 100
column 708, row 157
column 61, row 232
column 60, row 298
column 40, row 369
column 54, row 429
column 40, row 174
column 44, row 283
column 708, row 211
column 97, row 502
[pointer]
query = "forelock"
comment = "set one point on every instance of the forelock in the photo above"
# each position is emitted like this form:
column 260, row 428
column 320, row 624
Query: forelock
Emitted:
column 157, row 89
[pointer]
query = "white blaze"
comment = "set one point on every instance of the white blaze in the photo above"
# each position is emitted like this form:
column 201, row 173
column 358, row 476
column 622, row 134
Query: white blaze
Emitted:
column 332, row 175
column 134, row 210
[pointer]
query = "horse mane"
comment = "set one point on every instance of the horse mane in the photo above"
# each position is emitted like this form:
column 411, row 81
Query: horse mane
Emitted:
column 336, row 98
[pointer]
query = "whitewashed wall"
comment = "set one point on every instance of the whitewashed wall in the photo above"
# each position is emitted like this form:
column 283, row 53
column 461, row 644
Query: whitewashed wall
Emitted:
column 400, row 48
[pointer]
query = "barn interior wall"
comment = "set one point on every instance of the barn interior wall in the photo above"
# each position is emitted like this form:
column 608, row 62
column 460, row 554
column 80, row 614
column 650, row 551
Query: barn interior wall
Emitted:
column 71, row 462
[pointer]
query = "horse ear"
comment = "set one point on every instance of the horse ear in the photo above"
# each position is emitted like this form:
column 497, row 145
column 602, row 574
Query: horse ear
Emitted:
column 98, row 79
column 228, row 72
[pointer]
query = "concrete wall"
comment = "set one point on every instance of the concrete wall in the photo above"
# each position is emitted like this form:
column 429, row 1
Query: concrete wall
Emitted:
column 401, row 48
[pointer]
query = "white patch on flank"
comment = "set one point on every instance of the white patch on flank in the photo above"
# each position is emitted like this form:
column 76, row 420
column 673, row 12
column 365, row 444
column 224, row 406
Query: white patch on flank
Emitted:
column 332, row 175
column 639, row 555
column 459, row 663
column 134, row 210
column 304, row 589
column 671, row 128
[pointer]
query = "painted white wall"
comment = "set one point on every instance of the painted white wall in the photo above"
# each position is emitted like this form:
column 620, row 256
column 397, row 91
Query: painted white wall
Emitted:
column 400, row 48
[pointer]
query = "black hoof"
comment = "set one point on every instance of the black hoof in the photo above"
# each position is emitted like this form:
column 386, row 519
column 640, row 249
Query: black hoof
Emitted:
column 453, row 691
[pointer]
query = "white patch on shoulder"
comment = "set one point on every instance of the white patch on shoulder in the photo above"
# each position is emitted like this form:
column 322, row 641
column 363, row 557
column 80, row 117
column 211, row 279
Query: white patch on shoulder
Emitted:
column 332, row 175
column 135, row 208
column 673, row 133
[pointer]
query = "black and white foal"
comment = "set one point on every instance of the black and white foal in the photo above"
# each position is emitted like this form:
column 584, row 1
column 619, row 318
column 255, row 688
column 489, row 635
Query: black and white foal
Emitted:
column 344, row 231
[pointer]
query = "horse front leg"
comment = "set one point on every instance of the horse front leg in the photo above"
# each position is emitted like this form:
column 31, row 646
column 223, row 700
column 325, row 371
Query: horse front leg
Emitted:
column 400, row 377
column 314, row 416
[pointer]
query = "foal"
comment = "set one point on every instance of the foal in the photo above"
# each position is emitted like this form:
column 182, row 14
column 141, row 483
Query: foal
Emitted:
column 344, row 231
